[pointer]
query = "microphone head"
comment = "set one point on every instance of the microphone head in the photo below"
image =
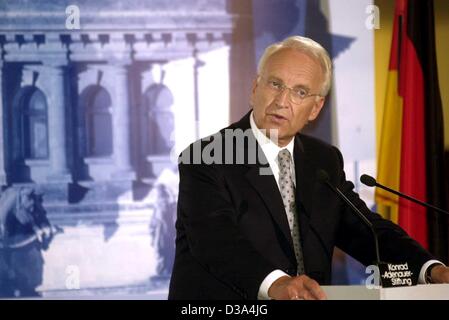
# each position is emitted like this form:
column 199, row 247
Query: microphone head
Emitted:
column 322, row 176
column 368, row 180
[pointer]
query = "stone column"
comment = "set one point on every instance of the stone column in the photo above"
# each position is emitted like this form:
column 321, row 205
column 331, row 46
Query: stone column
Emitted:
column 2, row 125
column 179, row 79
column 59, row 171
column 122, row 124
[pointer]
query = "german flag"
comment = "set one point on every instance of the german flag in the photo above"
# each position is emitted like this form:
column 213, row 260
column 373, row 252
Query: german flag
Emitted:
column 411, row 150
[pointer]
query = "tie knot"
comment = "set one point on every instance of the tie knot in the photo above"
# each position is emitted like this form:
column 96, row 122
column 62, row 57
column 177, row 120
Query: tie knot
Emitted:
column 284, row 157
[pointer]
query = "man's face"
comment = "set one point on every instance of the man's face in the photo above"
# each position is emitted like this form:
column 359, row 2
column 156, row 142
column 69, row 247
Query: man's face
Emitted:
column 275, row 110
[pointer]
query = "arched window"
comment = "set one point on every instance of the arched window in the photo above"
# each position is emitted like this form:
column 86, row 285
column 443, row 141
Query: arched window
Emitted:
column 159, row 99
column 34, row 125
column 98, row 123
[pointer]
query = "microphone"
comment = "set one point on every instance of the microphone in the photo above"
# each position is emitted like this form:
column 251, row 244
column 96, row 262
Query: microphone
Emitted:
column 323, row 177
column 371, row 182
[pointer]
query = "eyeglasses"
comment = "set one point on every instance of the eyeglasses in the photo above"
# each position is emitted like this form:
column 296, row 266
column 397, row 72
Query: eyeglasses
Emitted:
column 296, row 95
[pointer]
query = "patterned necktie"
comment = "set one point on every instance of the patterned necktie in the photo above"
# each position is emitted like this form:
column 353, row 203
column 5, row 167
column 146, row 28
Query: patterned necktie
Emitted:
column 288, row 197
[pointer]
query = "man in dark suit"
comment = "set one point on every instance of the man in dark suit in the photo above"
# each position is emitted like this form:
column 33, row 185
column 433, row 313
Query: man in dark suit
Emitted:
column 253, row 219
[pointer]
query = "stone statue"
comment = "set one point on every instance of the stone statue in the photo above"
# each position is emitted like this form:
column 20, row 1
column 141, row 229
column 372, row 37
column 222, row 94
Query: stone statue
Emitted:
column 162, row 224
column 24, row 232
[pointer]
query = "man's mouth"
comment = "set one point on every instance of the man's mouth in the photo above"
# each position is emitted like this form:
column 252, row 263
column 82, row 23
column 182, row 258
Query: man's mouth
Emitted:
column 277, row 117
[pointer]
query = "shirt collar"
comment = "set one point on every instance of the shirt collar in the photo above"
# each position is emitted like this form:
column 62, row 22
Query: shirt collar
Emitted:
column 270, row 149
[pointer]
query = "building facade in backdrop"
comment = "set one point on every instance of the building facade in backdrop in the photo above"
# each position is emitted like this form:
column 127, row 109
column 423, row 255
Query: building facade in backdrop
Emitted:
column 90, row 120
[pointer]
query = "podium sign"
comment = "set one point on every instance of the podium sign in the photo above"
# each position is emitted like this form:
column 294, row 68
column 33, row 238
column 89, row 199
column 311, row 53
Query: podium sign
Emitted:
column 396, row 275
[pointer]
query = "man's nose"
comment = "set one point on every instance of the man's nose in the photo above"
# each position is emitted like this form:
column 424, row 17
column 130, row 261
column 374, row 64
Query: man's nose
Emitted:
column 282, row 98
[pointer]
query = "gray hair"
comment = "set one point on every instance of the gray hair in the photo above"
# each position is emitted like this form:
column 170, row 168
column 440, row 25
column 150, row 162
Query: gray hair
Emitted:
column 306, row 46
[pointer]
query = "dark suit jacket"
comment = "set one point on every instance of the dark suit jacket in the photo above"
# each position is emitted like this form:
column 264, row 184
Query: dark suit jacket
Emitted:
column 232, row 229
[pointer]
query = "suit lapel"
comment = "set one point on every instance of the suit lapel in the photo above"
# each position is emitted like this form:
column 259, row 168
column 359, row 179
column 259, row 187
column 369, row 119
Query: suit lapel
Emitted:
column 307, row 192
column 304, row 191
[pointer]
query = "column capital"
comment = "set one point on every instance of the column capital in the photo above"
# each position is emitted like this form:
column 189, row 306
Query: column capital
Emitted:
column 119, row 64
column 55, row 63
column 55, row 69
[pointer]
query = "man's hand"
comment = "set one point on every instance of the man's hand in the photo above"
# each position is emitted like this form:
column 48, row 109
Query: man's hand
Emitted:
column 296, row 288
column 440, row 274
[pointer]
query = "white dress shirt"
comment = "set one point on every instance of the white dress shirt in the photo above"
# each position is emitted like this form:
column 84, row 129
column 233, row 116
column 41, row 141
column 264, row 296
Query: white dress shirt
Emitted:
column 271, row 151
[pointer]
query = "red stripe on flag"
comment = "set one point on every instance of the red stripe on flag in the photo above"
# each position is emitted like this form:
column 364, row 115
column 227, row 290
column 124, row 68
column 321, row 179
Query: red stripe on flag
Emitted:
column 413, row 149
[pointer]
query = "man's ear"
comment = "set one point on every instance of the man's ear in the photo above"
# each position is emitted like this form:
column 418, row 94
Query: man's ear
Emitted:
column 318, row 105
